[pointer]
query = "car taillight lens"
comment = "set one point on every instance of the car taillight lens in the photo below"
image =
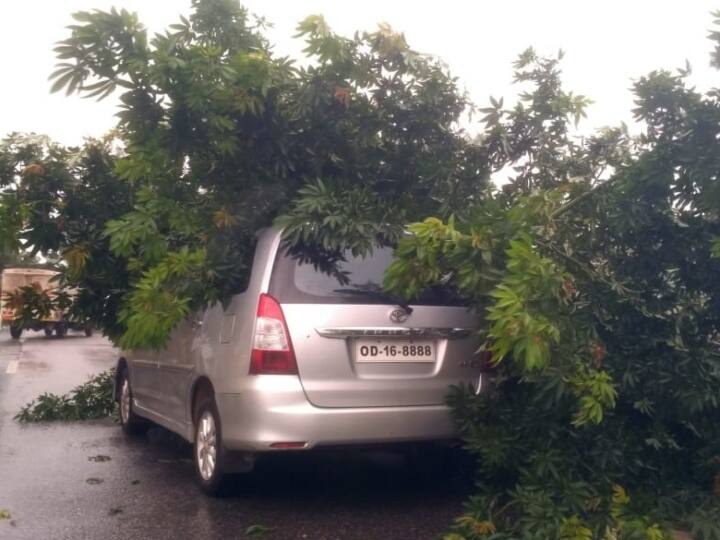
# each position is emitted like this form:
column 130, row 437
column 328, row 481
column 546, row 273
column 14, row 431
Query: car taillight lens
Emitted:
column 272, row 352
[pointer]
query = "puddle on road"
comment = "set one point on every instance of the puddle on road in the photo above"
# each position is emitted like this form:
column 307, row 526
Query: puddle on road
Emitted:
column 32, row 365
column 181, row 460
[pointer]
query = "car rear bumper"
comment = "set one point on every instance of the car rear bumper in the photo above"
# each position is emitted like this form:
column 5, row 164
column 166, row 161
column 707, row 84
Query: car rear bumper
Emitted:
column 273, row 409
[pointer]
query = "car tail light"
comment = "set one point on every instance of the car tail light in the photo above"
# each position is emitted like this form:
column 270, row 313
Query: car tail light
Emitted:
column 272, row 352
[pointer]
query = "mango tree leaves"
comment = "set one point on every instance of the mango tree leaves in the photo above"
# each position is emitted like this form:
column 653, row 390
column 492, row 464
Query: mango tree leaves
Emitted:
column 222, row 138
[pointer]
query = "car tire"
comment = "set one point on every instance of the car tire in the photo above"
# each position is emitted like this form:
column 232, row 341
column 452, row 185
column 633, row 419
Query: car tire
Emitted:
column 209, row 456
column 48, row 331
column 130, row 422
column 15, row 331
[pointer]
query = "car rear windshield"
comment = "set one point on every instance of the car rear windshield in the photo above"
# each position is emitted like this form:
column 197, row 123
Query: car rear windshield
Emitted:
column 356, row 280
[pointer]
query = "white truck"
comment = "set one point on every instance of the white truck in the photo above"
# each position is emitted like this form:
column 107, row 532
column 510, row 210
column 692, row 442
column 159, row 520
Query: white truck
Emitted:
column 56, row 321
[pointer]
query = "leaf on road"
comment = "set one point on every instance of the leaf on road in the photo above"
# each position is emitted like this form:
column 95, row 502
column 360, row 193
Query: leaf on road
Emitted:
column 257, row 531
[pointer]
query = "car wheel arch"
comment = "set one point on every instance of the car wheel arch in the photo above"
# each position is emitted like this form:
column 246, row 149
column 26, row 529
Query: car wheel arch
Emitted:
column 201, row 388
column 122, row 365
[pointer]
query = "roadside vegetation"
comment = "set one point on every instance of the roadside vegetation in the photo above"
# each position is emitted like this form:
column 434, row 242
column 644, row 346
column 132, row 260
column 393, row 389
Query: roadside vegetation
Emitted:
column 89, row 401
column 596, row 263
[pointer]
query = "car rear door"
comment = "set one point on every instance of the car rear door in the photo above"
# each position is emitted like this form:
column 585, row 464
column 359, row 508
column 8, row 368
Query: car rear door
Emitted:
column 175, row 370
column 144, row 378
column 356, row 347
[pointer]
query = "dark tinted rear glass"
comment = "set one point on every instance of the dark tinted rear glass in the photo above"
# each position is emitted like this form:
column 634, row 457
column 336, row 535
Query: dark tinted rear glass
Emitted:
column 361, row 282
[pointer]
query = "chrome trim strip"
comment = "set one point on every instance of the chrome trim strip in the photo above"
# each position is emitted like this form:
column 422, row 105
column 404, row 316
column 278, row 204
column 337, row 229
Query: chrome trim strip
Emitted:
column 356, row 332
column 178, row 368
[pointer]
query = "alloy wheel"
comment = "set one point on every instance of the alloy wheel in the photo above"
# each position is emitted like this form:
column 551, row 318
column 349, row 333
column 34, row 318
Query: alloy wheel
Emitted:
column 206, row 446
column 125, row 401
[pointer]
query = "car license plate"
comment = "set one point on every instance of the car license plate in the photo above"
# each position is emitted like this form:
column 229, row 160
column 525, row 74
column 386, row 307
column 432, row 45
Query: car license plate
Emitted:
column 394, row 350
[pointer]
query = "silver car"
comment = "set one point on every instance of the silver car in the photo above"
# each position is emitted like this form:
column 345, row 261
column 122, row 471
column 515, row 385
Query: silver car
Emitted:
column 303, row 359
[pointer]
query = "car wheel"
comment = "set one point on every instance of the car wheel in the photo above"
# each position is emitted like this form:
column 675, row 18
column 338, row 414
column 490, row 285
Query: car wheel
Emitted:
column 48, row 331
column 130, row 422
column 15, row 331
column 208, row 451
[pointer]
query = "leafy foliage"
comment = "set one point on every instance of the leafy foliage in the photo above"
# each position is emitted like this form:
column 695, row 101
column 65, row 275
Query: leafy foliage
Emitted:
column 89, row 401
column 58, row 201
column 222, row 138
column 595, row 269
column 596, row 264
column 257, row 531
column 30, row 303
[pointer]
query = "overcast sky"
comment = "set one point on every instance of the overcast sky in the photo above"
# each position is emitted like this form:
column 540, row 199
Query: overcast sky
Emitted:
column 607, row 44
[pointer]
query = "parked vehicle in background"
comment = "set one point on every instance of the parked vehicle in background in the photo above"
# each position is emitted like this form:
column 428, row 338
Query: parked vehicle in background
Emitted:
column 300, row 360
column 50, row 317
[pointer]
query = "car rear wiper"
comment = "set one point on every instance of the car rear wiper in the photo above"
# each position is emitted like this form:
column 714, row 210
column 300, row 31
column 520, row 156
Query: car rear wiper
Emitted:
column 378, row 294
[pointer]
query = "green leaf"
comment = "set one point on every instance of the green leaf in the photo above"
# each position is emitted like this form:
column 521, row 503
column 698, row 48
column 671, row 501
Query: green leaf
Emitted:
column 257, row 531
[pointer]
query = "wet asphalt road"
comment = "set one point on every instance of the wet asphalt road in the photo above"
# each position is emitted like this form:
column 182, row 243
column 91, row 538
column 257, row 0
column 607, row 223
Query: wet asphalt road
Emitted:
column 87, row 480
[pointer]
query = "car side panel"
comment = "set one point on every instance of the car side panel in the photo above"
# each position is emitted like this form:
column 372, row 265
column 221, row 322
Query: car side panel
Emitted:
column 221, row 348
column 176, row 369
column 218, row 350
column 143, row 373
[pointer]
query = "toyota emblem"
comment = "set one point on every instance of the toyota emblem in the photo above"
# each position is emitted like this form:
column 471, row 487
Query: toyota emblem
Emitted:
column 399, row 315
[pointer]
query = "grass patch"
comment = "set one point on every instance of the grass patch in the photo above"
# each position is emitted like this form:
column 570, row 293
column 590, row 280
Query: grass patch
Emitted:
column 89, row 401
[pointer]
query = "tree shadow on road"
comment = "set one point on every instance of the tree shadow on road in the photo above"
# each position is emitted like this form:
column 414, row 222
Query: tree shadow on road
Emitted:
column 341, row 476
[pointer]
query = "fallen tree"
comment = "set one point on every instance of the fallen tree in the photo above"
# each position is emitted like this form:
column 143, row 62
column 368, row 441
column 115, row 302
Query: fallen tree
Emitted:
column 222, row 138
column 595, row 262
column 597, row 268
